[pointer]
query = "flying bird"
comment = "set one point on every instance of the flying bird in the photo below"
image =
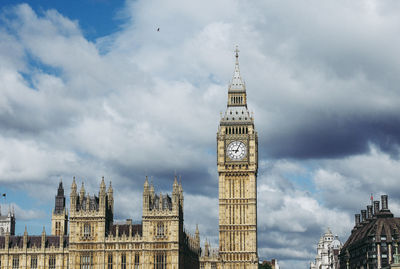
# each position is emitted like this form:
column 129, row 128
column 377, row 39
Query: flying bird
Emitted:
column 158, row 29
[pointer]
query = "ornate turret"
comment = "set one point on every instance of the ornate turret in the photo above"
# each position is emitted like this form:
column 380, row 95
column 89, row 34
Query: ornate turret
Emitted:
column 102, row 195
column 146, row 195
column 180, row 192
column 175, row 194
column 197, row 236
column 151, row 189
column 25, row 238
column 102, row 186
column 59, row 217
column 110, row 196
column 59, row 206
column 82, row 194
column 73, row 196
column 44, row 238
column 73, row 186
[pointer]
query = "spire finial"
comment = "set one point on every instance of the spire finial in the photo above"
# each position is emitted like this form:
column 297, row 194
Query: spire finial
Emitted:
column 237, row 52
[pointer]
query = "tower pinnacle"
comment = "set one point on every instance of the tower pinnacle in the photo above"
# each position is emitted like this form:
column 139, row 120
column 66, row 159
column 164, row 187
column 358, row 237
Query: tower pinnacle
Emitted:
column 237, row 84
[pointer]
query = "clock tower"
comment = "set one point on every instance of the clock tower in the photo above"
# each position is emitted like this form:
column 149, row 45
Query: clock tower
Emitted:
column 237, row 160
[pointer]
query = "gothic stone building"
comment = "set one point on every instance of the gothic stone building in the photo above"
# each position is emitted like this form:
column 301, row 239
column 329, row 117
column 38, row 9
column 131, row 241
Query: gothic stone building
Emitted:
column 237, row 162
column 95, row 241
column 373, row 240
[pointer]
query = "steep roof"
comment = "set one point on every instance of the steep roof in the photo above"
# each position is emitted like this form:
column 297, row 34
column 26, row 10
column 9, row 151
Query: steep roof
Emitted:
column 124, row 229
column 34, row 241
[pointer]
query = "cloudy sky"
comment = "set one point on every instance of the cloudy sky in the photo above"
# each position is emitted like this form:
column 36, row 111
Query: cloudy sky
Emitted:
column 92, row 89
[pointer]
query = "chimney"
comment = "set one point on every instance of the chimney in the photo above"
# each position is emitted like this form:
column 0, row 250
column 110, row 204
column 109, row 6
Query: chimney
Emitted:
column 369, row 210
column 384, row 200
column 363, row 215
column 376, row 208
column 357, row 219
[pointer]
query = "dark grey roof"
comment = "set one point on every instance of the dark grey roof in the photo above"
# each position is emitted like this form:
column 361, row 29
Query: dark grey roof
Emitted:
column 17, row 241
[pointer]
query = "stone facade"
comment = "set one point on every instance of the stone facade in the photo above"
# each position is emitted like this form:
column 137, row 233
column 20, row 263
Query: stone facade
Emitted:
column 95, row 241
column 327, row 252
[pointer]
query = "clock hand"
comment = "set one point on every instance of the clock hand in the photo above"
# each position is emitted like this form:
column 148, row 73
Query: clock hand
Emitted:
column 237, row 149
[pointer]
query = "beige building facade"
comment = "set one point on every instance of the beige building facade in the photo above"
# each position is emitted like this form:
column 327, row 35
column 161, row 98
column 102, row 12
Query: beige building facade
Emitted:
column 94, row 241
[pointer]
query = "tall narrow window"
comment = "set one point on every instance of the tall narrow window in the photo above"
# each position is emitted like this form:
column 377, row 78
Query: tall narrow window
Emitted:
column 58, row 228
column 110, row 261
column 33, row 262
column 15, row 262
column 123, row 261
column 160, row 261
column 86, row 230
column 137, row 262
column 86, row 261
column 160, row 229
column 52, row 262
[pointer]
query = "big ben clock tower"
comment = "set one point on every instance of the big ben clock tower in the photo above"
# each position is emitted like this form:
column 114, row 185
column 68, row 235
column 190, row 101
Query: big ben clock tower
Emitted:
column 237, row 160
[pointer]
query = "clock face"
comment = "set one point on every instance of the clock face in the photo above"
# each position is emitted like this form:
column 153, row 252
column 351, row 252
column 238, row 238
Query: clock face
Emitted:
column 236, row 150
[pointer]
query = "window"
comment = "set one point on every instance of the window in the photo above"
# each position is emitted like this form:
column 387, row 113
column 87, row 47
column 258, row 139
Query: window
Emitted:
column 213, row 265
column 86, row 261
column 57, row 228
column 86, row 230
column 160, row 261
column 110, row 261
column 160, row 229
column 33, row 262
column 201, row 265
column 123, row 261
column 137, row 261
column 15, row 262
column 52, row 262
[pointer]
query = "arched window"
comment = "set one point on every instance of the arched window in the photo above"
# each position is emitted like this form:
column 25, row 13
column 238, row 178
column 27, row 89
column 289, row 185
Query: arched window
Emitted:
column 110, row 261
column 86, row 230
column 123, row 261
column 160, row 260
column 160, row 229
